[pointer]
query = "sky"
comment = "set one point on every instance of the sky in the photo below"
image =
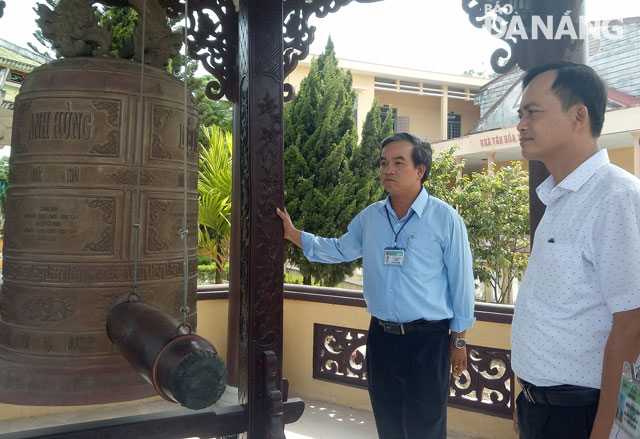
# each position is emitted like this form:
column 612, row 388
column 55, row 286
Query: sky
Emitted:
column 436, row 35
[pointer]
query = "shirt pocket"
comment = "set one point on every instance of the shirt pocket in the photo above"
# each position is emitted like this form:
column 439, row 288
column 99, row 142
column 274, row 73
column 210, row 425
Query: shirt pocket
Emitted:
column 423, row 258
column 551, row 266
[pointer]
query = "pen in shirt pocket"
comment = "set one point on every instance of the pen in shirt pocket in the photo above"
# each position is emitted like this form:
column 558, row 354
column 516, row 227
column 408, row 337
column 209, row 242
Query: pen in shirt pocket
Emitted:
column 408, row 239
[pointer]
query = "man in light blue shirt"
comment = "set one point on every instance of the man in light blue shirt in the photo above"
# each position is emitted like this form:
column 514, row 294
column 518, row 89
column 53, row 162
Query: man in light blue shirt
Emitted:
column 418, row 285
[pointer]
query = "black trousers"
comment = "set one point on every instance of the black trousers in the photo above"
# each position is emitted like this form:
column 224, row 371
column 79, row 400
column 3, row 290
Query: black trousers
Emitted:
column 542, row 421
column 408, row 378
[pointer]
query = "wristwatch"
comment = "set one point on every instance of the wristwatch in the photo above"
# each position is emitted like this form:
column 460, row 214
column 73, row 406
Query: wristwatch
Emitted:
column 459, row 342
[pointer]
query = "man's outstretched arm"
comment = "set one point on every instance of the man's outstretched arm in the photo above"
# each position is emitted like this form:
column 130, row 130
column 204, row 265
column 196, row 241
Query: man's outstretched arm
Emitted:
column 290, row 232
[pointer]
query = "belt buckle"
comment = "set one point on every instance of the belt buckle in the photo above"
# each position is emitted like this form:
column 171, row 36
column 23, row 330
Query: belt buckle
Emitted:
column 393, row 328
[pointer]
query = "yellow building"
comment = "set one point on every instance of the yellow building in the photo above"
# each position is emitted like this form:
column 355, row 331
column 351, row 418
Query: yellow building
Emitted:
column 433, row 106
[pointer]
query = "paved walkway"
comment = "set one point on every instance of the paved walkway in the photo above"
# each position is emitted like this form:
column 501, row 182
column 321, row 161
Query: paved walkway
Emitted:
column 320, row 420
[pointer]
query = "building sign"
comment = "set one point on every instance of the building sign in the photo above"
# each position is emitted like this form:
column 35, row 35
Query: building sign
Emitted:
column 16, row 77
column 511, row 138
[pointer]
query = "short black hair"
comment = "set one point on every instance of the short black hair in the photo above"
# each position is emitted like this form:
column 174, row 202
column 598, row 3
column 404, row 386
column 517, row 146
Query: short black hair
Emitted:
column 576, row 84
column 421, row 153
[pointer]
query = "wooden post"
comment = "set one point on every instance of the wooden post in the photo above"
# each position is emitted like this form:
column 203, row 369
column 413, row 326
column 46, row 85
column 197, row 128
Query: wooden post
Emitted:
column 258, row 235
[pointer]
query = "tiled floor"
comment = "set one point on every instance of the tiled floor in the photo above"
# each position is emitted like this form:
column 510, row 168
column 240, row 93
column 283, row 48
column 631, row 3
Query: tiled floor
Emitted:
column 329, row 421
column 320, row 420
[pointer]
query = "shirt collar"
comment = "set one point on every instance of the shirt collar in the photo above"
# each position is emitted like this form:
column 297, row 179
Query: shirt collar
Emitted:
column 548, row 191
column 418, row 205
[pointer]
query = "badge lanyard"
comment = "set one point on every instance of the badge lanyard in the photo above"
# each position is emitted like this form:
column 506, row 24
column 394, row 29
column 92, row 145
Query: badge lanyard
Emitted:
column 395, row 255
column 628, row 407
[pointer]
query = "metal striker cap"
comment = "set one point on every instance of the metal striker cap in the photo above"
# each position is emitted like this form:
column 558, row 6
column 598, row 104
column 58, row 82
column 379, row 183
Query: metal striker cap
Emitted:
column 199, row 380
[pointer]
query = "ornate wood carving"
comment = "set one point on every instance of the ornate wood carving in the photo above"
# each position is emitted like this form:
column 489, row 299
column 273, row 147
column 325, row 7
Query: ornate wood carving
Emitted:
column 298, row 35
column 477, row 16
column 339, row 354
column 489, row 13
column 261, row 182
column 212, row 39
column 213, row 32
column 487, row 386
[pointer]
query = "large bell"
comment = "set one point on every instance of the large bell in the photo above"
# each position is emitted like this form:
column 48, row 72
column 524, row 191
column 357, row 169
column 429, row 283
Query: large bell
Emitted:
column 69, row 244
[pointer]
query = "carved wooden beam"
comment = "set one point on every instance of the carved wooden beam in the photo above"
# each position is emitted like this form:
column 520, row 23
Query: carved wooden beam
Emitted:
column 213, row 37
column 298, row 35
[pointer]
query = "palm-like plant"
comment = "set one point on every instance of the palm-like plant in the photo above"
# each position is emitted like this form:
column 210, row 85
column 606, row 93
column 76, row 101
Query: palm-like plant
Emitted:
column 214, row 189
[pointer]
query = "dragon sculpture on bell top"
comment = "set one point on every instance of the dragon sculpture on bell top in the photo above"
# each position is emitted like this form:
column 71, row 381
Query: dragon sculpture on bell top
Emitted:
column 73, row 28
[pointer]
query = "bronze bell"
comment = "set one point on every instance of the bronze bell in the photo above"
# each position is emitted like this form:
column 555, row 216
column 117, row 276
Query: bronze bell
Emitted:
column 79, row 127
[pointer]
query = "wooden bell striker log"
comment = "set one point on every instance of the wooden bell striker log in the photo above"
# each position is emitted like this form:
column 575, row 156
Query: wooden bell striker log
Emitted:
column 182, row 367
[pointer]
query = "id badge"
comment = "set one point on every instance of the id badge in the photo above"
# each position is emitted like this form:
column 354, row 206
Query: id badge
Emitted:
column 393, row 256
column 628, row 407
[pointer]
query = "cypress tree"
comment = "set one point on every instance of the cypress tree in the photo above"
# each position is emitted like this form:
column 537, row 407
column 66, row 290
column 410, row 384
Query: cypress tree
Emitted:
column 366, row 158
column 328, row 177
column 320, row 136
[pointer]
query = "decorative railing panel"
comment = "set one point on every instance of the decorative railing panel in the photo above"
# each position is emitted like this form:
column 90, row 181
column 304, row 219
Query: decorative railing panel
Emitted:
column 487, row 385
column 339, row 356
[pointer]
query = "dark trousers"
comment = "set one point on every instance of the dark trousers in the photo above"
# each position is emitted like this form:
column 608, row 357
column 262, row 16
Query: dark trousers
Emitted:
column 408, row 378
column 542, row 421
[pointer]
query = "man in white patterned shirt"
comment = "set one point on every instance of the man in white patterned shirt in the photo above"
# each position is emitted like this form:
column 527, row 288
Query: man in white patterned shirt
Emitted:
column 577, row 316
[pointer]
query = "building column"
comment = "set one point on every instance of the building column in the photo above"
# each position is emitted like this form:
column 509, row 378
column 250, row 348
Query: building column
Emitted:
column 491, row 157
column 444, row 112
column 636, row 153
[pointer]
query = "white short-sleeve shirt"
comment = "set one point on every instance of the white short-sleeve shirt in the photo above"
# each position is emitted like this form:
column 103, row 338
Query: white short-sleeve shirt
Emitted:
column 584, row 267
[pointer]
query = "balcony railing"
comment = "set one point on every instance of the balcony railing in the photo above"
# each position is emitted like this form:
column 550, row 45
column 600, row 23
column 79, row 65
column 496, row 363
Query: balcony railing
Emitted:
column 339, row 353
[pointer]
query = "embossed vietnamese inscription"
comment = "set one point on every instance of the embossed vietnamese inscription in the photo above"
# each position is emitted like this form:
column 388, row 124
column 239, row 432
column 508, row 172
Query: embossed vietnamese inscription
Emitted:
column 65, row 225
column 192, row 137
column 70, row 126
column 168, row 137
column 36, row 174
column 66, row 125
column 73, row 174
column 81, row 343
column 49, row 222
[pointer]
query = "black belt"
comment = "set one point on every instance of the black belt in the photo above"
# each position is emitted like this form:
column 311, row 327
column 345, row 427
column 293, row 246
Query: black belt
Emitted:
column 565, row 395
column 436, row 326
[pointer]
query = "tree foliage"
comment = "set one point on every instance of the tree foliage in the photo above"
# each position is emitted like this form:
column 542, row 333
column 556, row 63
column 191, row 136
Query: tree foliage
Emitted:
column 324, row 167
column 4, row 182
column 495, row 209
column 365, row 160
column 214, row 197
